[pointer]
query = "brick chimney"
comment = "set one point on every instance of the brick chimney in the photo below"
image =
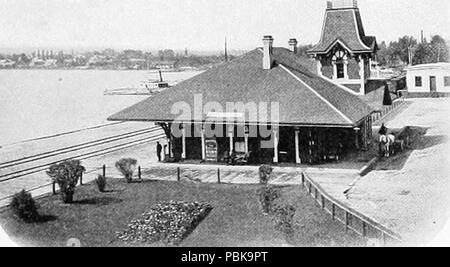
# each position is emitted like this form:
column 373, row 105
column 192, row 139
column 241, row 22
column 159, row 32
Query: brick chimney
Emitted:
column 267, row 49
column 293, row 45
column 337, row 4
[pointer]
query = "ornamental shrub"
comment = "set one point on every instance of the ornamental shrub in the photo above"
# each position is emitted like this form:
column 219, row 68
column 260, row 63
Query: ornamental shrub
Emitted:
column 284, row 219
column 66, row 174
column 25, row 207
column 267, row 196
column 264, row 174
column 127, row 167
column 101, row 183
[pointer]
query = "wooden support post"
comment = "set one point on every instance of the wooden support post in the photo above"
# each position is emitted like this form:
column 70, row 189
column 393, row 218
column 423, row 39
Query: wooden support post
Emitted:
column 203, row 145
column 310, row 146
column 104, row 171
column 169, row 143
column 303, row 179
column 323, row 202
column 231, row 136
column 139, row 173
column 183, row 142
column 297, row 147
column 357, row 144
column 218, row 175
column 178, row 174
column 275, row 146
column 246, row 142
column 81, row 179
column 54, row 187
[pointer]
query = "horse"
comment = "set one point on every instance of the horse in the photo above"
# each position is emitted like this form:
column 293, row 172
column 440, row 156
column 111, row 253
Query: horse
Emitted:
column 387, row 145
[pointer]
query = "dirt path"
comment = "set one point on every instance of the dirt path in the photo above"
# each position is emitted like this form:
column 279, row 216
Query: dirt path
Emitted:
column 412, row 199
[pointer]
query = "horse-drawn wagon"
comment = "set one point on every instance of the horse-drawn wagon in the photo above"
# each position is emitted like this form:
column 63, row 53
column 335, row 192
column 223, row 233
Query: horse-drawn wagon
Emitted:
column 394, row 143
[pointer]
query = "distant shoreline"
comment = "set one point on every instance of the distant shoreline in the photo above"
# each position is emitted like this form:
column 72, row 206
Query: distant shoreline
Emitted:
column 101, row 69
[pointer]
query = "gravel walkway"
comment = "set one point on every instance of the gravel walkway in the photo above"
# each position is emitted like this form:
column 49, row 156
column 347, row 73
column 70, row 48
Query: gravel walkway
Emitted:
column 412, row 201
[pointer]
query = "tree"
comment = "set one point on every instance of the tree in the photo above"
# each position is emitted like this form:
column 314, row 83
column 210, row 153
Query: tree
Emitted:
column 303, row 49
column 423, row 54
column 383, row 54
column 167, row 54
column 403, row 49
column 25, row 207
column 161, row 55
column 66, row 174
column 387, row 100
column 126, row 167
column 439, row 48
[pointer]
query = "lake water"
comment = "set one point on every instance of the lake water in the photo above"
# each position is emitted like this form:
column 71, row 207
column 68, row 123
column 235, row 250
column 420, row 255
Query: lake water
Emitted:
column 37, row 103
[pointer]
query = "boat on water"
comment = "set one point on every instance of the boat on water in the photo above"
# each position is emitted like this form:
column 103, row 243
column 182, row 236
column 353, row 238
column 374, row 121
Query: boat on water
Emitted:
column 148, row 87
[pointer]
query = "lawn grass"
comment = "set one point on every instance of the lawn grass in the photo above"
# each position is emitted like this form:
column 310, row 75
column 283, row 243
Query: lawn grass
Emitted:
column 236, row 218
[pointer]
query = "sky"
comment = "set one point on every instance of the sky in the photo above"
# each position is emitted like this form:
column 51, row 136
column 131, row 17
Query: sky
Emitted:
column 200, row 24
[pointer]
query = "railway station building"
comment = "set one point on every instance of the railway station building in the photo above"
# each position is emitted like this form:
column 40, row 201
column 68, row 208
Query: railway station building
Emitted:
column 285, row 107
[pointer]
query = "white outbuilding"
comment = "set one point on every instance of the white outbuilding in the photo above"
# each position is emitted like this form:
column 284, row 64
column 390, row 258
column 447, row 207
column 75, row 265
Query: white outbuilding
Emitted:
column 429, row 79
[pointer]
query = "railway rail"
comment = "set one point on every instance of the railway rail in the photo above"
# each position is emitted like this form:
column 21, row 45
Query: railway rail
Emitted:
column 18, row 168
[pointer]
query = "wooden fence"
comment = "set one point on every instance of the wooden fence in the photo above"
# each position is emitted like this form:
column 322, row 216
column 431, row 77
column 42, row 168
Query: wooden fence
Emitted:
column 387, row 110
column 352, row 220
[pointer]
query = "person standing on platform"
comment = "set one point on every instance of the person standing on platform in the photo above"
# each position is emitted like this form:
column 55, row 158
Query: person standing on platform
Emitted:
column 158, row 151
column 383, row 130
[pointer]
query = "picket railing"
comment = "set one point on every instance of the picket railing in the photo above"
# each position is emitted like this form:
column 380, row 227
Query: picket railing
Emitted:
column 352, row 220
column 387, row 110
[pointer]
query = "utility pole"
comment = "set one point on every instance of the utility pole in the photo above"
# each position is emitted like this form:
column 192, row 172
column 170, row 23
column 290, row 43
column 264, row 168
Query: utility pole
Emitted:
column 226, row 50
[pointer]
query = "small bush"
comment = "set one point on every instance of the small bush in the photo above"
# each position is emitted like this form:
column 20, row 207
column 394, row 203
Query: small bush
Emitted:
column 264, row 174
column 267, row 196
column 66, row 174
column 24, row 206
column 284, row 219
column 101, row 183
column 126, row 167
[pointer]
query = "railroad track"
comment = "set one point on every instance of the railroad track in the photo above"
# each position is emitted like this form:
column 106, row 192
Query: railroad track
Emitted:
column 18, row 168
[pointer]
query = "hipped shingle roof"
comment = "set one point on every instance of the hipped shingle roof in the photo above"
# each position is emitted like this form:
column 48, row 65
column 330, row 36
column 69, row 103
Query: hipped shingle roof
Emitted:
column 304, row 98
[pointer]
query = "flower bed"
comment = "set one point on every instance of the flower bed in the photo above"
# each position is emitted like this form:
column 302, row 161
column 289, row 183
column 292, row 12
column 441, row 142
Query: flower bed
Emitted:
column 168, row 222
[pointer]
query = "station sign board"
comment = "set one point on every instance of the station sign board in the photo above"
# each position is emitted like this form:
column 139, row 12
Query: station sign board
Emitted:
column 211, row 150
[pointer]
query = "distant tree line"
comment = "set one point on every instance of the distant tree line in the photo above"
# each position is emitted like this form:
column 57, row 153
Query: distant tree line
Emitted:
column 111, row 59
column 408, row 50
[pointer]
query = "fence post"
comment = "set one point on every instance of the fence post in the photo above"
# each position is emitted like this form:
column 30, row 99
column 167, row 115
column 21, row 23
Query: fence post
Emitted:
column 104, row 171
column 364, row 230
column 54, row 187
column 383, row 239
column 346, row 220
column 139, row 173
column 303, row 179
column 323, row 202
column 178, row 174
column 81, row 179
column 218, row 175
column 333, row 211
